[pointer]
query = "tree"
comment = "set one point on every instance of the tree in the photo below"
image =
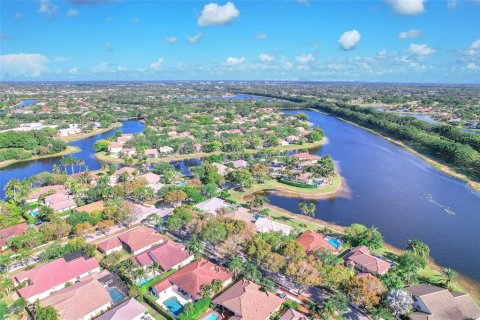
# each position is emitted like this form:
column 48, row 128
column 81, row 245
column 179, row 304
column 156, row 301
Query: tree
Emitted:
column 307, row 209
column 235, row 266
column 241, row 177
column 409, row 263
column 46, row 313
column 304, row 272
column 101, row 145
column 448, row 275
column 175, row 196
column 180, row 217
column 364, row 290
column 334, row 306
column 419, row 248
column 194, row 245
column 334, row 276
column 399, row 302
column 359, row 235
column 314, row 309
column 258, row 201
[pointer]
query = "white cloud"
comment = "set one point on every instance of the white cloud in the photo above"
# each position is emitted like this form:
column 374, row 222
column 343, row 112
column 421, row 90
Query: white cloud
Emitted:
column 194, row 39
column 472, row 66
column 18, row 15
column 23, row 64
column 171, row 40
column 121, row 69
column 305, row 58
column 233, row 61
column 452, row 4
column 410, row 34
column 72, row 13
column 215, row 14
column 422, row 50
column 47, row 9
column 473, row 49
column 157, row 65
column 73, row 71
column 264, row 57
column 349, row 39
column 100, row 68
column 261, row 36
column 407, row 7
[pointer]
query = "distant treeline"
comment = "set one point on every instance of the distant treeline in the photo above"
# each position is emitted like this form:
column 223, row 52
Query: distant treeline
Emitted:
column 21, row 145
column 457, row 149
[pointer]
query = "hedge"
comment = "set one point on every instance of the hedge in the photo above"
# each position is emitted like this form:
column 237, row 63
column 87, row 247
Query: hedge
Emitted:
column 152, row 303
column 193, row 311
column 297, row 184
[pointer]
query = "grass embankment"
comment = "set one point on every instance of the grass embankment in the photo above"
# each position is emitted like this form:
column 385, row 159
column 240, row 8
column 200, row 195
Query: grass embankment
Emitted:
column 67, row 151
column 434, row 163
column 102, row 156
column 79, row 136
column 291, row 191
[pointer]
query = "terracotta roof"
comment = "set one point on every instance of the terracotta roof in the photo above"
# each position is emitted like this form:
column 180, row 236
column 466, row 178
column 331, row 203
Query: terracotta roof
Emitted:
column 140, row 238
column 94, row 206
column 109, row 244
column 240, row 213
column 127, row 310
column 312, row 241
column 192, row 277
column 167, row 254
column 38, row 192
column 79, row 300
column 248, row 302
column 291, row 314
column 443, row 304
column 92, row 175
column 63, row 205
column 239, row 164
column 361, row 256
column 11, row 231
column 58, row 197
column 130, row 171
column 305, row 155
column 52, row 274
column 151, row 177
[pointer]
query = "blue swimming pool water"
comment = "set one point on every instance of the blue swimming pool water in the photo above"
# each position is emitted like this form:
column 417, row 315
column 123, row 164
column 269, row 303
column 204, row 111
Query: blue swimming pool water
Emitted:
column 334, row 242
column 173, row 305
column 142, row 282
column 212, row 316
column 34, row 213
column 116, row 295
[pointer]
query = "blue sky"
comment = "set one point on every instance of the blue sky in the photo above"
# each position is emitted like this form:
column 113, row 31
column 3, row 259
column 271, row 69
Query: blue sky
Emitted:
column 391, row 40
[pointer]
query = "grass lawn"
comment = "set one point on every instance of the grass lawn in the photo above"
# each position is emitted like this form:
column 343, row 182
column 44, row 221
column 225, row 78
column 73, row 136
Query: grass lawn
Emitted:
column 152, row 312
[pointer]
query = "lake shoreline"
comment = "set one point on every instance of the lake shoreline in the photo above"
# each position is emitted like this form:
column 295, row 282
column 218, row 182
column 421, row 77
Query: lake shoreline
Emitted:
column 433, row 163
column 79, row 136
column 67, row 151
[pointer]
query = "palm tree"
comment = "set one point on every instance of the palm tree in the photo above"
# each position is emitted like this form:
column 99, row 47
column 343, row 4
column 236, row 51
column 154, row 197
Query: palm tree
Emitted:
column 194, row 245
column 448, row 275
column 11, row 188
column 64, row 162
column 81, row 163
column 308, row 209
column 314, row 309
column 236, row 267
column 154, row 268
column 56, row 168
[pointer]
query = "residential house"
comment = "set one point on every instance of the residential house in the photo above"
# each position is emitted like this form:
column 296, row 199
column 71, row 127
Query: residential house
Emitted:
column 306, row 158
column 128, row 310
column 134, row 241
column 129, row 151
column 212, row 205
column 237, row 164
column 246, row 301
column 221, row 168
column 312, row 241
column 53, row 276
column 151, row 153
column 166, row 149
column 187, row 282
column 241, row 213
column 12, row 231
column 361, row 259
column 267, row 225
column 431, row 303
column 82, row 300
column 151, row 178
column 168, row 255
column 115, row 147
column 33, row 197
column 124, row 138
column 60, row 202
column 291, row 314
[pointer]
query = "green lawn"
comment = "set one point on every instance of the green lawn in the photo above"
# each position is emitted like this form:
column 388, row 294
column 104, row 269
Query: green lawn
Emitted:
column 144, row 287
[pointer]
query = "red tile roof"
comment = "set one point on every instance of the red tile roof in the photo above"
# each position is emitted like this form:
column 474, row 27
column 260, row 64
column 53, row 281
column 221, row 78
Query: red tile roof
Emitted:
column 52, row 274
column 312, row 241
column 11, row 231
column 192, row 277
column 140, row 238
column 109, row 244
column 167, row 255
column 306, row 156
column 360, row 257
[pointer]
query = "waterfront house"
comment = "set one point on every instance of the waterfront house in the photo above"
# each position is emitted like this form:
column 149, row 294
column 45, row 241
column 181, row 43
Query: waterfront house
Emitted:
column 431, row 302
column 168, row 255
column 165, row 149
column 82, row 300
column 361, row 259
column 266, row 225
column 241, row 213
column 115, row 147
column 306, row 158
column 128, row 310
column 312, row 241
column 212, row 205
column 124, row 138
column 12, row 231
column 186, row 283
column 246, row 301
column 221, row 168
column 42, row 280
column 134, row 241
column 33, row 196
column 60, row 202
column 151, row 153
column 151, row 178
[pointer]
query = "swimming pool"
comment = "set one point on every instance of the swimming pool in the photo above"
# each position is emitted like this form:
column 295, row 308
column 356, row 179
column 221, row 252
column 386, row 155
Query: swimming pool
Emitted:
column 142, row 282
column 336, row 243
column 116, row 295
column 173, row 306
column 34, row 213
column 212, row 316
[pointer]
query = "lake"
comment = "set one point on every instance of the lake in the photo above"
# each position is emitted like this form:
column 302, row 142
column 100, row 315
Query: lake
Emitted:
column 29, row 168
column 400, row 194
